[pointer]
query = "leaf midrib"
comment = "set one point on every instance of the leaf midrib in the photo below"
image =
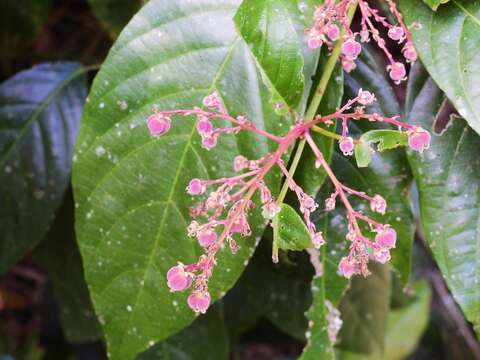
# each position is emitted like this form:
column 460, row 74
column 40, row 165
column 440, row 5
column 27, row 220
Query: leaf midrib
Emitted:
column 40, row 108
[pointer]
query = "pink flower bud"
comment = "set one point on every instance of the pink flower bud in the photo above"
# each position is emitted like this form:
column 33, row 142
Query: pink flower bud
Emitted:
column 158, row 124
column 365, row 97
column 351, row 48
column 314, row 42
column 346, row 145
column 196, row 187
column 209, row 142
column 409, row 52
column 178, row 279
column 239, row 163
column 309, row 203
column 419, row 139
column 378, row 204
column 397, row 72
column 386, row 237
column 348, row 64
column 204, row 126
column 347, row 267
column 396, row 33
column 207, row 237
column 212, row 101
column 380, row 254
column 199, row 301
column 318, row 240
column 330, row 203
column 333, row 32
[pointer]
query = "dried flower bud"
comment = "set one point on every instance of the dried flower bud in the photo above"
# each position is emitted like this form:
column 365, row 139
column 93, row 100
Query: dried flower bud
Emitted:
column 348, row 64
column 209, row 141
column 159, row 124
column 206, row 237
column 178, row 279
column 318, row 240
column 212, row 101
column 204, row 126
column 270, row 210
column 380, row 254
column 239, row 163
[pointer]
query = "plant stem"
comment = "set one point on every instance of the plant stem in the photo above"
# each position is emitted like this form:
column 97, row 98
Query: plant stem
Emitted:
column 316, row 100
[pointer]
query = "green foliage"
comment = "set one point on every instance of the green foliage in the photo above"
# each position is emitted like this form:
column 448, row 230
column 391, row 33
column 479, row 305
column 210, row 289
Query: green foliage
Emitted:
column 448, row 181
column 290, row 231
column 115, row 14
column 130, row 189
column 434, row 4
column 40, row 113
column 447, row 41
column 58, row 254
column 385, row 139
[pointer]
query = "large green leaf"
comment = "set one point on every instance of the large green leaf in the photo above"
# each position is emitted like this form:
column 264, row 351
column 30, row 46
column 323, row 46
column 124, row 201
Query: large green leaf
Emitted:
column 130, row 189
column 448, row 181
column 274, row 31
column 434, row 4
column 364, row 312
column 115, row 14
column 58, row 254
column 447, row 41
column 290, row 231
column 405, row 326
column 40, row 112
column 206, row 337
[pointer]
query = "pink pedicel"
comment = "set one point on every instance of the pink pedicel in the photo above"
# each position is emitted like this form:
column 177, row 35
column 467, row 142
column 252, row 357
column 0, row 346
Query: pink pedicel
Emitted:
column 199, row 301
column 346, row 145
column 158, row 124
column 378, row 204
column 347, row 267
column 419, row 139
column 196, row 187
column 386, row 237
column 396, row 33
column 207, row 237
column 397, row 72
column 178, row 279
column 351, row 48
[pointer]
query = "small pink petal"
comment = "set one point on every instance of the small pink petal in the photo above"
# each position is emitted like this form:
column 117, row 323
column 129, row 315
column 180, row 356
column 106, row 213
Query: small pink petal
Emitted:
column 158, row 124
column 386, row 238
column 199, row 301
column 196, row 187
column 178, row 279
column 346, row 145
column 207, row 237
column 351, row 48
column 419, row 139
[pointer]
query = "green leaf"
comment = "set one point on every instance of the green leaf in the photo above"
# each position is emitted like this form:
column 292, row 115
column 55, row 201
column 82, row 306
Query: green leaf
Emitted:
column 385, row 139
column 307, row 175
column 40, row 112
column 405, row 326
column 115, row 14
column 58, row 254
column 448, row 181
column 364, row 312
column 130, row 188
column 206, row 336
column 434, row 4
column 274, row 31
column 290, row 231
column 447, row 41
column 20, row 24
column 388, row 174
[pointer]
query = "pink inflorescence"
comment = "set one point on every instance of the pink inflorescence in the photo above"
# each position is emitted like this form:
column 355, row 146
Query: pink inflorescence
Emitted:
column 222, row 214
column 333, row 15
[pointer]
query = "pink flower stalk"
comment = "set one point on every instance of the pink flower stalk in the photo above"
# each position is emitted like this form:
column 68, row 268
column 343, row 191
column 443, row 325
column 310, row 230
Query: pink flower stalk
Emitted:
column 333, row 15
column 222, row 213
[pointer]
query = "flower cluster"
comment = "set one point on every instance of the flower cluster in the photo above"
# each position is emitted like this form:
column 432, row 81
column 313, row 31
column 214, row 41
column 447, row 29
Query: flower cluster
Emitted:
column 333, row 15
column 223, row 212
